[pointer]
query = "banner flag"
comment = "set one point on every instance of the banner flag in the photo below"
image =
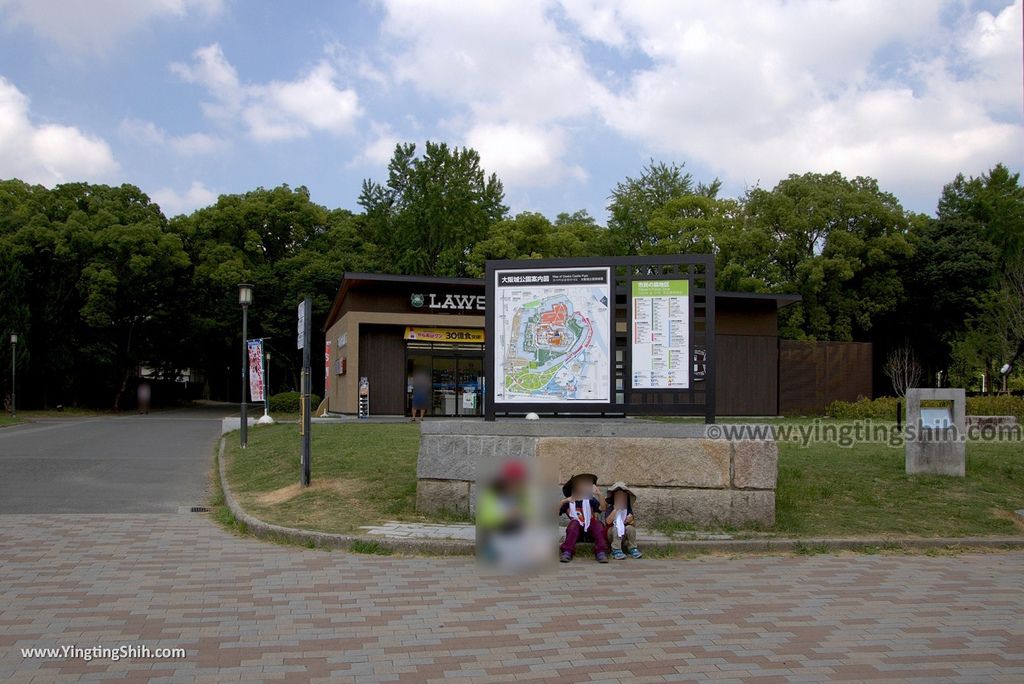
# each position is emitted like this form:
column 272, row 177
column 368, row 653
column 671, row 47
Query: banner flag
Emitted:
column 256, row 377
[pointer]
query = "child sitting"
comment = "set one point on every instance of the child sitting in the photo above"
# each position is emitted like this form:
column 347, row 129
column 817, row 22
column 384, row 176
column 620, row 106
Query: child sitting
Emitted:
column 583, row 506
column 620, row 521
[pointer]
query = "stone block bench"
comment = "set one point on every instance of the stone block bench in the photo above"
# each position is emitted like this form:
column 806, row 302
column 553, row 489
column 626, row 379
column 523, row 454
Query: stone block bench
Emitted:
column 676, row 471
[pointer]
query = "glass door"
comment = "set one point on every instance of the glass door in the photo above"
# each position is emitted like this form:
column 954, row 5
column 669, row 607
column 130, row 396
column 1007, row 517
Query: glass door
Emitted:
column 445, row 397
column 470, row 386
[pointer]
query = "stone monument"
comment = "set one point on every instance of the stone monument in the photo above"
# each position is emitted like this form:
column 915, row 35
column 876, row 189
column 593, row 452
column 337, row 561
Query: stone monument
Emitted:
column 936, row 447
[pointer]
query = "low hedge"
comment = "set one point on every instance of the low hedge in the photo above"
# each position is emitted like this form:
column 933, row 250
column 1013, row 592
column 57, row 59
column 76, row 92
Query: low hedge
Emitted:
column 884, row 408
column 288, row 402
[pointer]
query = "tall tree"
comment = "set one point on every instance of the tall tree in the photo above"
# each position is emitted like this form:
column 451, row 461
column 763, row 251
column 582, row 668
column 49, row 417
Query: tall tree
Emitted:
column 841, row 244
column 433, row 209
column 634, row 201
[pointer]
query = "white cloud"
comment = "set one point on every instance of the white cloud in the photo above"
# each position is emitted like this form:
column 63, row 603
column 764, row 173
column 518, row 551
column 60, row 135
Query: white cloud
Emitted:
column 47, row 153
column 173, row 202
column 521, row 154
column 276, row 110
column 509, row 66
column 97, row 26
column 759, row 90
column 753, row 90
column 189, row 145
column 379, row 148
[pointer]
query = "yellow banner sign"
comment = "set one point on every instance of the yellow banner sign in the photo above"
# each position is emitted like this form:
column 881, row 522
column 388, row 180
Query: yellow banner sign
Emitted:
column 446, row 335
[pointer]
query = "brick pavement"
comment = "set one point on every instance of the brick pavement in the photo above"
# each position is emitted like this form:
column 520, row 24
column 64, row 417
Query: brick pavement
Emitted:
column 246, row 610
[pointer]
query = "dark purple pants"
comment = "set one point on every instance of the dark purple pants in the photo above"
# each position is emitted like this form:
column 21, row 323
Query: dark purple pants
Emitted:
column 575, row 530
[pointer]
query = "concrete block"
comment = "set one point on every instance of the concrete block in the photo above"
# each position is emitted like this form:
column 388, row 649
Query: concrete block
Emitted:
column 755, row 464
column 435, row 496
column 944, row 457
column 565, row 427
column 936, row 451
column 752, row 507
column 699, row 507
column 644, row 461
column 446, row 457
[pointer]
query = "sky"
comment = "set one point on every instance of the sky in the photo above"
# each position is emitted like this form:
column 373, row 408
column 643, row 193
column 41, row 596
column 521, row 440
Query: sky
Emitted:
column 189, row 99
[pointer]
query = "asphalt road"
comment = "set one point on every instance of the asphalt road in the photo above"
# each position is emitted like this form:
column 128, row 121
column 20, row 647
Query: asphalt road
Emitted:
column 152, row 463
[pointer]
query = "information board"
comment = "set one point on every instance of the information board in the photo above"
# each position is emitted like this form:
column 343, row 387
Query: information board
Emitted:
column 552, row 340
column 660, row 334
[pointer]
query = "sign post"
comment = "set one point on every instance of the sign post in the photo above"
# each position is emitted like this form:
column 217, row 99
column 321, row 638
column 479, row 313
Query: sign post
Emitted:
column 305, row 316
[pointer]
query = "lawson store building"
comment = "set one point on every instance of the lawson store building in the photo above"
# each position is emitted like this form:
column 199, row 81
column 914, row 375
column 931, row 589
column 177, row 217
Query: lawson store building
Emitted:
column 390, row 328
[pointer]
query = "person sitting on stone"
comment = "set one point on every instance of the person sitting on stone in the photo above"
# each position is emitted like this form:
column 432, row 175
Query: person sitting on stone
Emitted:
column 620, row 521
column 583, row 506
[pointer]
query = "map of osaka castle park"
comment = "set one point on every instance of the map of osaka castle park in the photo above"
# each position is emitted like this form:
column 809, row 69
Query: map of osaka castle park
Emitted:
column 552, row 335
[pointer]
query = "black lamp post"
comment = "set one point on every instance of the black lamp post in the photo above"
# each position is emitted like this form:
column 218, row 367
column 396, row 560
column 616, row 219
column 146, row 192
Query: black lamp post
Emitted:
column 245, row 299
column 14, row 349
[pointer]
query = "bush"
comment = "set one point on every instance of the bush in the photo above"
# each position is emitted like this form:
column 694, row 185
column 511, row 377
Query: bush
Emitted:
column 884, row 408
column 288, row 402
column 996, row 406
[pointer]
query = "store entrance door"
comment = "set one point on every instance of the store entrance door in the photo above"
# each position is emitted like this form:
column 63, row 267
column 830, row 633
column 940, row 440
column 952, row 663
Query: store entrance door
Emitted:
column 456, row 381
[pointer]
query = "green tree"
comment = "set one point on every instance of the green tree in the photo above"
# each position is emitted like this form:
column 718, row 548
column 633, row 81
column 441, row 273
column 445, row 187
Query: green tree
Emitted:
column 634, row 201
column 91, row 273
column 841, row 244
column 960, row 258
column 288, row 247
column 432, row 210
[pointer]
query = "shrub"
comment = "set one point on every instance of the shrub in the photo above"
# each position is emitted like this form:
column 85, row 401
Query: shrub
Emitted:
column 288, row 402
column 884, row 408
column 996, row 406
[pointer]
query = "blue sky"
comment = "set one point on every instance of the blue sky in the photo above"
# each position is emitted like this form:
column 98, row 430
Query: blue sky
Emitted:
column 192, row 98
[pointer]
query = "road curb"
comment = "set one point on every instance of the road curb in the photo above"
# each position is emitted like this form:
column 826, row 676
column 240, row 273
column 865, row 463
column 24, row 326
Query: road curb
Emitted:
column 327, row 540
column 456, row 547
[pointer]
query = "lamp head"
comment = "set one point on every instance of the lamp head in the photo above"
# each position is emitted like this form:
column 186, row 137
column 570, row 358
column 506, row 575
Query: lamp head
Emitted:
column 14, row 338
column 245, row 294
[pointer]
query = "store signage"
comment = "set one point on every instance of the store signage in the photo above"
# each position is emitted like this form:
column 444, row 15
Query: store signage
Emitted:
column 445, row 335
column 451, row 302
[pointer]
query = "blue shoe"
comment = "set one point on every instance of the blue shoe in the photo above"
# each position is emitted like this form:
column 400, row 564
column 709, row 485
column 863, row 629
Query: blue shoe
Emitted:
column 635, row 553
column 618, row 555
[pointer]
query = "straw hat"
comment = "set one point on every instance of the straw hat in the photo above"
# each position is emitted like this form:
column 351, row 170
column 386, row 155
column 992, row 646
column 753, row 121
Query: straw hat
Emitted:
column 620, row 486
column 568, row 486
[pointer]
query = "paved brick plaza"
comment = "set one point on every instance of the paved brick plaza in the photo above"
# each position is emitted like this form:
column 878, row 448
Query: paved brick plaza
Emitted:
column 250, row 611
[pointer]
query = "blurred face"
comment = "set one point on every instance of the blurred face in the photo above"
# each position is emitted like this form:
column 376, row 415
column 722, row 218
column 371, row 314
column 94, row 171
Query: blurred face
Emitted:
column 582, row 488
column 620, row 499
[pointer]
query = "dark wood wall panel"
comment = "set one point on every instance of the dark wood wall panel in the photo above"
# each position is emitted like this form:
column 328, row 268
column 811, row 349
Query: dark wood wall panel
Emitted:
column 747, row 375
column 814, row 374
column 382, row 361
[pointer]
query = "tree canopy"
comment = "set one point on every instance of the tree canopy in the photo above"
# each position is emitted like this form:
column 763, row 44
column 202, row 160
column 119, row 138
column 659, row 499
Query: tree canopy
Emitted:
column 98, row 282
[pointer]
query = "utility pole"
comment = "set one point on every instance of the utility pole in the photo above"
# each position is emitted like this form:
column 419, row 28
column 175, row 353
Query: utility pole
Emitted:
column 304, row 338
column 14, row 355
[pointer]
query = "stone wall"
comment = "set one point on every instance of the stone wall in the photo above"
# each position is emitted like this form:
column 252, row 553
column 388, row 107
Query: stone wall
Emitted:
column 676, row 471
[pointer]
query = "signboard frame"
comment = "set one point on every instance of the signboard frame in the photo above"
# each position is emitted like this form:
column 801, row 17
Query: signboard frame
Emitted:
column 697, row 399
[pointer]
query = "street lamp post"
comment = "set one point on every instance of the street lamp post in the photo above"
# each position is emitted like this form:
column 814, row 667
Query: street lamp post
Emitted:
column 14, row 349
column 245, row 299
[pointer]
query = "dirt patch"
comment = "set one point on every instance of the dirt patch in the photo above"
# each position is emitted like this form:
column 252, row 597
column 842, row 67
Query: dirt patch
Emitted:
column 1011, row 516
column 278, row 496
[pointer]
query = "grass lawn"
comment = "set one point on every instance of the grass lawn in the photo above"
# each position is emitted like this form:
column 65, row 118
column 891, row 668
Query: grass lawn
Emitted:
column 827, row 490
column 366, row 473
column 361, row 474
column 5, row 419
